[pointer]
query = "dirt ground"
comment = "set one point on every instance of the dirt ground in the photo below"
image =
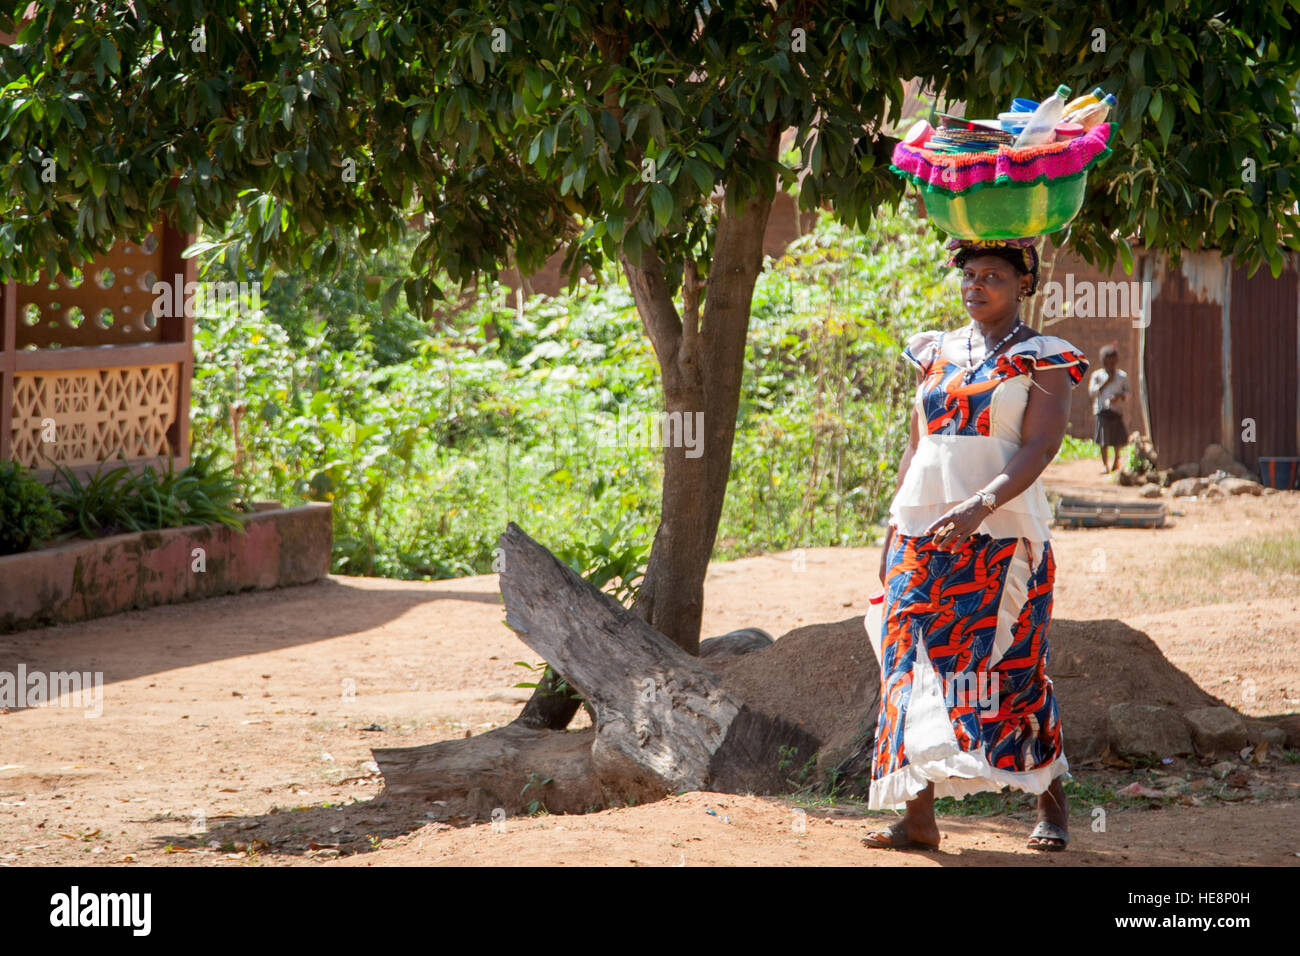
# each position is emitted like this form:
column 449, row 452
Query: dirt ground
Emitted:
column 237, row 731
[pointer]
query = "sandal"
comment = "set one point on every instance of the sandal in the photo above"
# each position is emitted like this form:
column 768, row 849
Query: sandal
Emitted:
column 1053, row 837
column 896, row 839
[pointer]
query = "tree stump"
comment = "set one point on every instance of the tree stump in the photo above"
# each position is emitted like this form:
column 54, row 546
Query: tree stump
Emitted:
column 666, row 722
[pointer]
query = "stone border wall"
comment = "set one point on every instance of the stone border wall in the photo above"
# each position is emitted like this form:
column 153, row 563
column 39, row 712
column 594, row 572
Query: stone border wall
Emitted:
column 87, row 579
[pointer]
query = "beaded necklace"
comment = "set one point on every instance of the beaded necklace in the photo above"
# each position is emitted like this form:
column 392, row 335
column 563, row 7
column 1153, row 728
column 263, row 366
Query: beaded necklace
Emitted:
column 972, row 368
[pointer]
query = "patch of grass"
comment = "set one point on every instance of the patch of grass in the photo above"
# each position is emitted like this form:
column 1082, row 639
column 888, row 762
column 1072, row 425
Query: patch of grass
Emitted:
column 987, row 804
column 1238, row 570
column 1089, row 792
column 1077, row 449
column 810, row 799
column 1084, row 794
column 1272, row 556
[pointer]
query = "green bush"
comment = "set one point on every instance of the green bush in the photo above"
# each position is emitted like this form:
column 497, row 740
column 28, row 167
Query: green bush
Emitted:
column 27, row 512
column 118, row 500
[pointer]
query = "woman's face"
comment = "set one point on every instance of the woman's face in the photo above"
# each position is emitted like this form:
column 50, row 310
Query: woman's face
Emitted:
column 989, row 288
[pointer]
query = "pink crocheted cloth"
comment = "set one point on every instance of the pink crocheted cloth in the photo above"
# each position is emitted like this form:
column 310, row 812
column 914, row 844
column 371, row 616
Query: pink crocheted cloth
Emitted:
column 957, row 173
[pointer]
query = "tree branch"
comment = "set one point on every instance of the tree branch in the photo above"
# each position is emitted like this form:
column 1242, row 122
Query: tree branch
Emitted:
column 654, row 304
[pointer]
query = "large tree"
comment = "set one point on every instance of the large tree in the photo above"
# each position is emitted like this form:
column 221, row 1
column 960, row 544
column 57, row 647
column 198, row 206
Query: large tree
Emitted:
column 644, row 132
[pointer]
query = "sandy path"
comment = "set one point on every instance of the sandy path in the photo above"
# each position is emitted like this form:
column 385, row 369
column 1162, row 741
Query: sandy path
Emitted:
column 762, row 832
column 224, row 717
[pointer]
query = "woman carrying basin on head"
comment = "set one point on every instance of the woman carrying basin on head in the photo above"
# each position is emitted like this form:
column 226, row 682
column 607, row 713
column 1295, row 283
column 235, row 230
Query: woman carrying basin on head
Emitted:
column 966, row 704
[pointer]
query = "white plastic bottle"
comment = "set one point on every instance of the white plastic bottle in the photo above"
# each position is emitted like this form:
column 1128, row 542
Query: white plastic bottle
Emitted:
column 1041, row 127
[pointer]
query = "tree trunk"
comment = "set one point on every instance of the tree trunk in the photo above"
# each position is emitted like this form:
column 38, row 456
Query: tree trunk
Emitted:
column 701, row 367
column 548, row 708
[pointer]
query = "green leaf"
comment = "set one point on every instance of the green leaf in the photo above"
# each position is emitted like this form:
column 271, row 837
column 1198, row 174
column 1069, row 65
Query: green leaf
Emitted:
column 1222, row 217
column 1126, row 256
column 389, row 299
column 78, row 118
column 609, row 130
column 1136, row 64
column 1149, row 220
column 702, row 175
column 1275, row 262
column 108, row 52
column 661, row 200
column 1166, row 126
column 421, row 126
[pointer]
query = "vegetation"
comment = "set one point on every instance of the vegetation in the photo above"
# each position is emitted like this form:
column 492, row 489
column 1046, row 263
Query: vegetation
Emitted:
column 500, row 415
column 117, row 500
column 428, row 436
column 113, row 501
column 27, row 515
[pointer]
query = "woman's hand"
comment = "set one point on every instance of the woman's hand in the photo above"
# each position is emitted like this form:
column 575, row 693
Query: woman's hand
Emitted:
column 965, row 519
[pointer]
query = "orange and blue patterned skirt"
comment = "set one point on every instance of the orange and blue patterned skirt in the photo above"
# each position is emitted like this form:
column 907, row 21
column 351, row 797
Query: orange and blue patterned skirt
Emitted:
column 965, row 700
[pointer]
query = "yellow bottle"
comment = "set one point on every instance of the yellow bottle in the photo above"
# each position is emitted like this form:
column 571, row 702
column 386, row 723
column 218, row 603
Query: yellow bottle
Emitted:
column 1083, row 101
column 1090, row 116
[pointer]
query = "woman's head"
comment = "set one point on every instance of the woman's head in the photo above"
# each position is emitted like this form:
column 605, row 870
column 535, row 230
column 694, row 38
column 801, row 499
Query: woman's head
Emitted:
column 995, row 276
column 1109, row 357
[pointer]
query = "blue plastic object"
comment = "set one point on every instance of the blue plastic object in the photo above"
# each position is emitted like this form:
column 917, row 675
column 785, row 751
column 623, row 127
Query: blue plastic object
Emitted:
column 1022, row 105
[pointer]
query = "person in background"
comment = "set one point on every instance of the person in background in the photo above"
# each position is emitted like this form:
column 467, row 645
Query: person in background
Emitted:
column 1109, row 390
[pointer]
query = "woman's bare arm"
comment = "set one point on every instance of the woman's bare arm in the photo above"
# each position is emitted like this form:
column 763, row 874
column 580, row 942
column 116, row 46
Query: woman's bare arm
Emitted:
column 914, row 439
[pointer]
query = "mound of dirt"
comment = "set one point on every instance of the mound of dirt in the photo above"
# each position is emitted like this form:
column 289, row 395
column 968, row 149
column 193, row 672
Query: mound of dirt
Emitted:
column 825, row 677
column 1097, row 664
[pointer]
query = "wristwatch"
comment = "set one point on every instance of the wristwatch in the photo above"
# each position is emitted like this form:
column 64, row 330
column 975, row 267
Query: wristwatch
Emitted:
column 990, row 501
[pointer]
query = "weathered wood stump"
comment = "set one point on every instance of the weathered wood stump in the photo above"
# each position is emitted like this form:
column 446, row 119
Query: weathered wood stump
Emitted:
column 506, row 767
column 666, row 722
